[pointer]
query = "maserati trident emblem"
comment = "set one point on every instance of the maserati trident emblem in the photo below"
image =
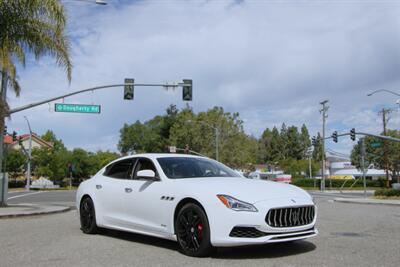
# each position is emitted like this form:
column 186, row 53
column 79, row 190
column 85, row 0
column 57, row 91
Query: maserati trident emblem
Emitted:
column 295, row 217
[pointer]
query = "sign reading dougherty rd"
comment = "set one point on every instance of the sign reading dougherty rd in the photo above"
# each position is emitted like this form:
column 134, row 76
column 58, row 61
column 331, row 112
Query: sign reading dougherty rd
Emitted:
column 76, row 108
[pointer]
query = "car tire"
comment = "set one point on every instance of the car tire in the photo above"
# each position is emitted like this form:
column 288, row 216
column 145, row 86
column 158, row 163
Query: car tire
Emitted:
column 193, row 231
column 88, row 216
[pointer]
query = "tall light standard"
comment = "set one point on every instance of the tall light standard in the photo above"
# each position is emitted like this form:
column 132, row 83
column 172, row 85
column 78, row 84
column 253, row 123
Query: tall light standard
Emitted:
column 216, row 131
column 390, row 92
column 28, row 172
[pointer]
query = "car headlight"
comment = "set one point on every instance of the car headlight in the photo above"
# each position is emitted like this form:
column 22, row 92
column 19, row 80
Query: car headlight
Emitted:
column 236, row 204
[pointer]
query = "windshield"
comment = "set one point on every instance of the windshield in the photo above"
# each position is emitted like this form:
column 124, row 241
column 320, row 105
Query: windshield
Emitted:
column 181, row 167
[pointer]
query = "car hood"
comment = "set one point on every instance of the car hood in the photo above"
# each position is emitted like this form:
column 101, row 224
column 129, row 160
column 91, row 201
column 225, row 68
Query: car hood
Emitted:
column 244, row 189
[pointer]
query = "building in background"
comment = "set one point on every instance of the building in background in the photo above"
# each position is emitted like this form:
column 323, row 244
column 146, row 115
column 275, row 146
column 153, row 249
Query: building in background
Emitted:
column 37, row 142
column 339, row 166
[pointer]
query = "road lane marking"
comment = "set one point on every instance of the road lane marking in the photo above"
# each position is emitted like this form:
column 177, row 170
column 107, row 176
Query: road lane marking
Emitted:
column 27, row 194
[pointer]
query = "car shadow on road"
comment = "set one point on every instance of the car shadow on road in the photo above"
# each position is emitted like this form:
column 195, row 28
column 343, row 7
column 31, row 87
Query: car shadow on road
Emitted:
column 142, row 239
column 275, row 250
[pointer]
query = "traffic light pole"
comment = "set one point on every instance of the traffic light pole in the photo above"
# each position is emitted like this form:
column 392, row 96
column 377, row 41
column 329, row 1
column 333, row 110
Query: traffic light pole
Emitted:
column 32, row 105
column 389, row 138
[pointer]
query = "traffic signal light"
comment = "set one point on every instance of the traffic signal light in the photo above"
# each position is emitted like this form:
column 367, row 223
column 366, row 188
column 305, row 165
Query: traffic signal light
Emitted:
column 5, row 129
column 14, row 136
column 334, row 136
column 187, row 90
column 129, row 89
column 353, row 134
column 313, row 141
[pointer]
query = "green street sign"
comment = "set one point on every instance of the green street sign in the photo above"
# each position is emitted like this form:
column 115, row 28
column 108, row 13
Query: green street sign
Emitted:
column 76, row 108
column 375, row 145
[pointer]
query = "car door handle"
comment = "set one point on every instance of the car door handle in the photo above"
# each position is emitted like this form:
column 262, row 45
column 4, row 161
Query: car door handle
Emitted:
column 128, row 190
column 98, row 186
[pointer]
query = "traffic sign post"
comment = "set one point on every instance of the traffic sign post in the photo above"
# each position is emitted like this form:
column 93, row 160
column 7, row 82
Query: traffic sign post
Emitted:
column 77, row 108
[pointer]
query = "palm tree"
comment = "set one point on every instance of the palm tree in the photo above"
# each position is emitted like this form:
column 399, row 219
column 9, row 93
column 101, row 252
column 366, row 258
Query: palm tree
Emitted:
column 29, row 27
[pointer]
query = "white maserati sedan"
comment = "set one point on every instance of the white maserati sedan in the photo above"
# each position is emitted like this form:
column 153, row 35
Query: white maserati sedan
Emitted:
column 196, row 201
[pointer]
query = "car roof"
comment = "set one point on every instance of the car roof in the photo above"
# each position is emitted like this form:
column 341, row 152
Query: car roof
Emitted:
column 161, row 155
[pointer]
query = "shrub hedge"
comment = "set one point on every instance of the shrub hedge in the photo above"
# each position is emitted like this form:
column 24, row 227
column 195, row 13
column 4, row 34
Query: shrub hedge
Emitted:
column 307, row 182
column 387, row 192
column 16, row 184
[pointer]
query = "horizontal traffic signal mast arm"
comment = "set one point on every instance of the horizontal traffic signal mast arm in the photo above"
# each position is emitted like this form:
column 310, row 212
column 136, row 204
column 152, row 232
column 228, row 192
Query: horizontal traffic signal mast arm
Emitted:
column 368, row 134
column 166, row 85
column 384, row 137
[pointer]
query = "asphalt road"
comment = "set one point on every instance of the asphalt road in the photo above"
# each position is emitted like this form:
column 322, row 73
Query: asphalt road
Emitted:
column 350, row 235
column 59, row 197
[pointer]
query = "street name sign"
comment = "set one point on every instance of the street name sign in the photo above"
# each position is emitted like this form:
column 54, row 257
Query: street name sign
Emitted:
column 375, row 145
column 76, row 108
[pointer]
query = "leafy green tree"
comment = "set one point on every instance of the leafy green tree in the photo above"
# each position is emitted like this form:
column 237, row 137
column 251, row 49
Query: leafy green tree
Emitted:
column 376, row 155
column 15, row 162
column 317, row 152
column 50, row 137
column 51, row 162
column 102, row 158
column 305, row 142
column 135, row 138
column 299, row 168
column 294, row 147
column 34, row 27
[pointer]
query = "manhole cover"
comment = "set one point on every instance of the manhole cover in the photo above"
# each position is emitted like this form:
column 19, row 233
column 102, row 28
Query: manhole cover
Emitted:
column 348, row 234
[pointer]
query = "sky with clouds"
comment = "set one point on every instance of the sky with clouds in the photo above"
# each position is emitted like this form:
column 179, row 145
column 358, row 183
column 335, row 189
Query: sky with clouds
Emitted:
column 271, row 61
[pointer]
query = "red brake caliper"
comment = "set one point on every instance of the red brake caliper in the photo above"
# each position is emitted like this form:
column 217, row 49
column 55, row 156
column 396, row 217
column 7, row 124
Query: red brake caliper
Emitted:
column 200, row 230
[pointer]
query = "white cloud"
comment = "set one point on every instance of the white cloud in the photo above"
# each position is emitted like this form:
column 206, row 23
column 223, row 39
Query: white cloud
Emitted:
column 271, row 61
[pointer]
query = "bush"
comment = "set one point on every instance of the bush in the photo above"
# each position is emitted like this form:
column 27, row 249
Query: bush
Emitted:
column 16, row 184
column 387, row 192
column 307, row 182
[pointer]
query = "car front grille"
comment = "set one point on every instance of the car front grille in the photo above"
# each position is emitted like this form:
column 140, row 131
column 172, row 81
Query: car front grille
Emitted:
column 246, row 232
column 290, row 217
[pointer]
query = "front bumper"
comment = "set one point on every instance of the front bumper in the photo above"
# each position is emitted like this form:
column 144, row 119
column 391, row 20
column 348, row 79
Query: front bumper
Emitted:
column 223, row 221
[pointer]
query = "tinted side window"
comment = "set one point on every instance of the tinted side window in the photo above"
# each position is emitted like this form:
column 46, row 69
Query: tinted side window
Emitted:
column 120, row 169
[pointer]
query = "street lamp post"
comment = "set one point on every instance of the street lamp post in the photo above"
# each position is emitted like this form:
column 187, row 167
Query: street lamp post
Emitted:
column 216, row 133
column 28, row 172
column 390, row 92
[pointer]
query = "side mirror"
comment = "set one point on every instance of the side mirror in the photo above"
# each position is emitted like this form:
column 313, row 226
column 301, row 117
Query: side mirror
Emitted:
column 147, row 174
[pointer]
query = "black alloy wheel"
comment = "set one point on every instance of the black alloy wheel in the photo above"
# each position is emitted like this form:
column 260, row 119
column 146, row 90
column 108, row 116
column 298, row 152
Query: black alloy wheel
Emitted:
column 193, row 231
column 88, row 216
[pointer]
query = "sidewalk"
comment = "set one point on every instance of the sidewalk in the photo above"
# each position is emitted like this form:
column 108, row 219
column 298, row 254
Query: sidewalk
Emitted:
column 344, row 191
column 394, row 202
column 18, row 210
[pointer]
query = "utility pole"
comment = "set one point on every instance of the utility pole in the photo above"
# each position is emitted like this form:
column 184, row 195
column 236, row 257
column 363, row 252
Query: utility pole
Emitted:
column 324, row 117
column 3, row 97
column 384, row 113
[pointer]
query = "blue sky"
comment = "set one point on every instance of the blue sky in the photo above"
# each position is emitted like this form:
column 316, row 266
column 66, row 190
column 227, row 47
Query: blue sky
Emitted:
column 271, row 61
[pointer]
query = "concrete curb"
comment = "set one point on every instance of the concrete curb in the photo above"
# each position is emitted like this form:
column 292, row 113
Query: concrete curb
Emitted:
column 22, row 210
column 368, row 201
